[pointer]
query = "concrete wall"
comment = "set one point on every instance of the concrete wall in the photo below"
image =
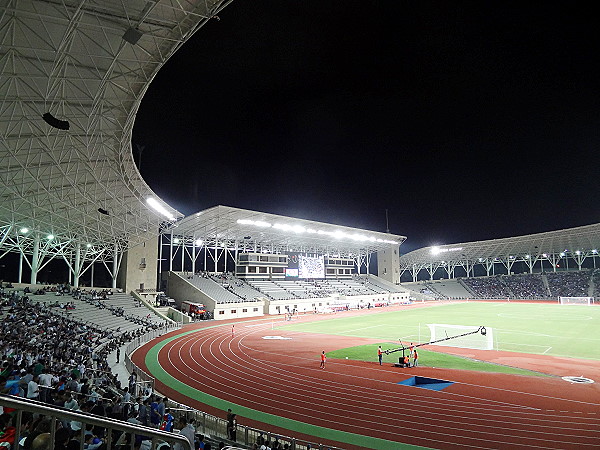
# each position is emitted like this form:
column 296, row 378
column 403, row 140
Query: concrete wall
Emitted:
column 388, row 264
column 180, row 290
column 132, row 273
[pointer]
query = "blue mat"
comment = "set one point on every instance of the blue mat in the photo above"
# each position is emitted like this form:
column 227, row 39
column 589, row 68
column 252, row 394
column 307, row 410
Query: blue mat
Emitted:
column 427, row 383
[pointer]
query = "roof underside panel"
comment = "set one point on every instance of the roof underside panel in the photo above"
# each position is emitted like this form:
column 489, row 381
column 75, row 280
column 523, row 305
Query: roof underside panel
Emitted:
column 70, row 59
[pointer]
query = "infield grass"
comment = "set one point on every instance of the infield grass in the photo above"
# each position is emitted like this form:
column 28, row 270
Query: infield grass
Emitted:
column 550, row 329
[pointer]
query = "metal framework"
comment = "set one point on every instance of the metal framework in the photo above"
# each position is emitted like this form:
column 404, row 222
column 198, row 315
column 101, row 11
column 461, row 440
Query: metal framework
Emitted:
column 218, row 234
column 571, row 247
column 86, row 63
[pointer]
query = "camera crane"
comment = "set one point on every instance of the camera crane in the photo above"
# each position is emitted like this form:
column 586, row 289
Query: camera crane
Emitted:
column 481, row 330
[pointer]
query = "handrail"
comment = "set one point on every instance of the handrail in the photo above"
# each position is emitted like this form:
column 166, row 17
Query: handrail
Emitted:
column 60, row 414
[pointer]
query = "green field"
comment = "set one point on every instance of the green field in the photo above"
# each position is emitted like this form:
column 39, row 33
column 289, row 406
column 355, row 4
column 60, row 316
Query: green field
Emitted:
column 550, row 329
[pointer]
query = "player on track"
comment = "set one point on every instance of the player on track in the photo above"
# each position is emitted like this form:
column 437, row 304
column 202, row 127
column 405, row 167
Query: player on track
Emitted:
column 323, row 359
column 232, row 330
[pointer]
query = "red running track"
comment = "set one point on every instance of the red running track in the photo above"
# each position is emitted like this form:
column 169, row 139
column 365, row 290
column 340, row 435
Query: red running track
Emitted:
column 282, row 377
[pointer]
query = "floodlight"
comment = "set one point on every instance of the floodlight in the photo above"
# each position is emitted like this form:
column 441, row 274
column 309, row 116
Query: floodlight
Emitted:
column 50, row 237
column 159, row 208
column 562, row 254
column 88, row 245
column 527, row 256
column 176, row 241
column 594, row 251
column 577, row 252
column 24, row 230
column 199, row 242
column 435, row 250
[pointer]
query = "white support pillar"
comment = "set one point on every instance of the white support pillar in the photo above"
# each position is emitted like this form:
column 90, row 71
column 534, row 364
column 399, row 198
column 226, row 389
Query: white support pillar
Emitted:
column 235, row 257
column 77, row 266
column 193, row 254
column 183, row 250
column 92, row 274
column 20, row 279
column 160, row 254
column 35, row 259
column 115, row 266
column 171, row 253
column 216, row 258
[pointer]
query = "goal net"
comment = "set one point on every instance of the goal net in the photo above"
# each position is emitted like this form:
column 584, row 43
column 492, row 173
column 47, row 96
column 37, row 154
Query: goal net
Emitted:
column 475, row 341
column 575, row 300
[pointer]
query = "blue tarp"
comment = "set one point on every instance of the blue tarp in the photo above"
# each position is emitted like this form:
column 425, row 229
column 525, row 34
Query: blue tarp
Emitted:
column 427, row 383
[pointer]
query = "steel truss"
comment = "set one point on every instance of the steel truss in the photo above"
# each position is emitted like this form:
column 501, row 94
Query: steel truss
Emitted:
column 87, row 63
column 219, row 234
column 562, row 249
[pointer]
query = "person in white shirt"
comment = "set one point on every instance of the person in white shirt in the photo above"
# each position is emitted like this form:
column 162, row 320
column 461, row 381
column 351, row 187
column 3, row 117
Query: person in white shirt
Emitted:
column 187, row 430
column 33, row 390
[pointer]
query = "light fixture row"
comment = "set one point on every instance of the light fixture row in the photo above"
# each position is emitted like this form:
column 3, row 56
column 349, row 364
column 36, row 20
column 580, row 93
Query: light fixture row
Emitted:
column 299, row 229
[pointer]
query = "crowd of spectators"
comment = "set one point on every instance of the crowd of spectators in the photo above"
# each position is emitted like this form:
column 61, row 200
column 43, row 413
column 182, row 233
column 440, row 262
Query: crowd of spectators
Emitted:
column 488, row 287
column 596, row 282
column 47, row 356
column 525, row 286
column 569, row 284
column 531, row 286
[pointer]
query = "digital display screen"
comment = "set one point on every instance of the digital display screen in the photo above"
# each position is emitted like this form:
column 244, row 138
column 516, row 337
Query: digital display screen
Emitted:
column 311, row 267
column 291, row 273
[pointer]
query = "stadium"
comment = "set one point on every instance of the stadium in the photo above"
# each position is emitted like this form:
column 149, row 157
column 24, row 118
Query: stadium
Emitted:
column 213, row 323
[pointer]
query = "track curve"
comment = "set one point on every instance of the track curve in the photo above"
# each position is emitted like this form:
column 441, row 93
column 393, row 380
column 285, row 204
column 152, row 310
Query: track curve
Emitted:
column 276, row 384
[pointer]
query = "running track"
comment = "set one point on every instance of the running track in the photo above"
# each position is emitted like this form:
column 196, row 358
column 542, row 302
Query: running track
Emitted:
column 277, row 385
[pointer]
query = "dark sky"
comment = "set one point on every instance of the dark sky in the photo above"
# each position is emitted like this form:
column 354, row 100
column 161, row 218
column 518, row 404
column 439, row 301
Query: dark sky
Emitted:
column 465, row 120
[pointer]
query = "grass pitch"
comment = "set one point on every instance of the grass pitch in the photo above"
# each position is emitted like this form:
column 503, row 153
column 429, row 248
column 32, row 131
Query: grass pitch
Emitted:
column 550, row 329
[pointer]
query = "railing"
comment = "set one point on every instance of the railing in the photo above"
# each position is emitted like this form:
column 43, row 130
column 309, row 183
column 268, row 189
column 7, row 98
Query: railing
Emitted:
column 207, row 424
column 57, row 414
column 143, row 377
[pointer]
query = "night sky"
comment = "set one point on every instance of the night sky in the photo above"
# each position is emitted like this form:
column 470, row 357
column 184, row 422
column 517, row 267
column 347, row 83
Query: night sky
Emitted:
column 467, row 121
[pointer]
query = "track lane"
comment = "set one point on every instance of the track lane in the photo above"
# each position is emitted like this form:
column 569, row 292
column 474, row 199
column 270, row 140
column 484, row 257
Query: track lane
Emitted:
column 240, row 371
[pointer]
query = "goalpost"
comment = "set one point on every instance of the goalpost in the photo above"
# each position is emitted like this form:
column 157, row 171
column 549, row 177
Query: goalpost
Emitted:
column 477, row 341
column 575, row 300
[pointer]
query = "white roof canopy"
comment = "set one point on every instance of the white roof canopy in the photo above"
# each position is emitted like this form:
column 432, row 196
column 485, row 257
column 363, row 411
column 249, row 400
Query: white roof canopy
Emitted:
column 274, row 233
column 85, row 65
column 570, row 242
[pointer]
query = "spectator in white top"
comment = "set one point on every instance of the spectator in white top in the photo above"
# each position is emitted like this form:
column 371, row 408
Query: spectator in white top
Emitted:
column 33, row 390
column 187, row 430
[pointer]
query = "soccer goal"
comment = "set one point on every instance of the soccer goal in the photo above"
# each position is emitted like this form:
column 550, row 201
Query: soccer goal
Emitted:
column 477, row 341
column 575, row 300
